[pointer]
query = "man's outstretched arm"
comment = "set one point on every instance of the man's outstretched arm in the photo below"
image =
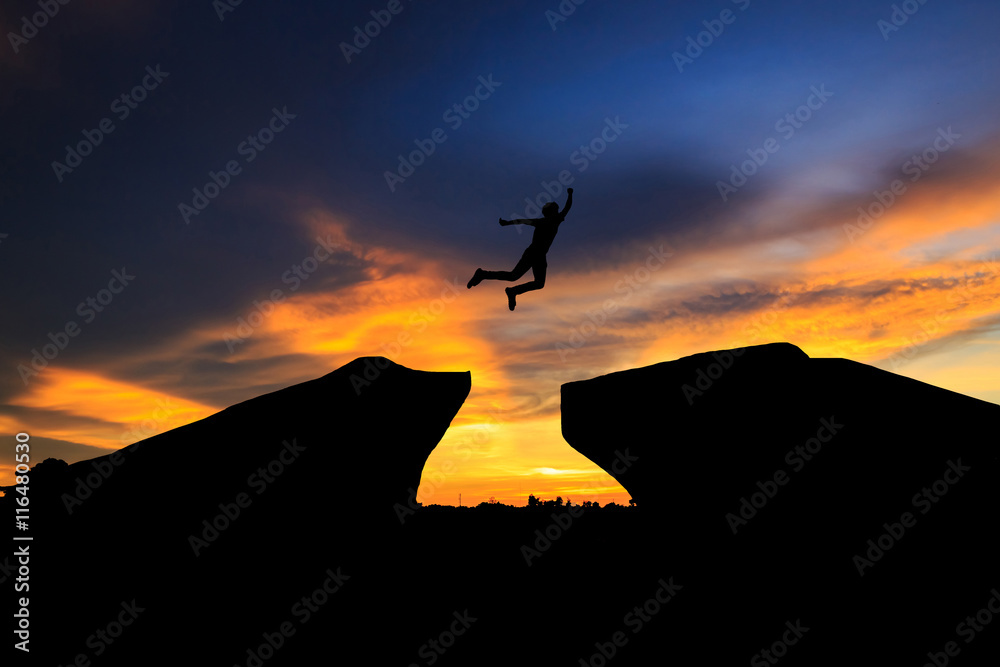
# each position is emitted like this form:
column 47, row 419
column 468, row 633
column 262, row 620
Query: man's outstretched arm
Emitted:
column 521, row 221
column 569, row 201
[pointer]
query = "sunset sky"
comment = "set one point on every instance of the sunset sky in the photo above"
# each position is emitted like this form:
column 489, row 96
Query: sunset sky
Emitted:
column 719, row 183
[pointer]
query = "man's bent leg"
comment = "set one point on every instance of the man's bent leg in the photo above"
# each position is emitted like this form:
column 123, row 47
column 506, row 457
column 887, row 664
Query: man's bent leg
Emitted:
column 538, row 271
column 522, row 267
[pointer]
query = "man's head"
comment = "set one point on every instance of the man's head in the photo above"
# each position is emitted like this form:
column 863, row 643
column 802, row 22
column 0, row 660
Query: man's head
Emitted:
column 550, row 210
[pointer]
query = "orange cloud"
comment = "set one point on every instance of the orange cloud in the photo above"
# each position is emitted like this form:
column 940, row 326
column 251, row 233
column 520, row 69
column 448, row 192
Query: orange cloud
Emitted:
column 126, row 413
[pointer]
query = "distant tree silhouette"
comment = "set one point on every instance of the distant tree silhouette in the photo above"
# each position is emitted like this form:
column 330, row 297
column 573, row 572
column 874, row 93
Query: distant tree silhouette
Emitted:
column 533, row 501
column 559, row 502
column 49, row 473
column 494, row 505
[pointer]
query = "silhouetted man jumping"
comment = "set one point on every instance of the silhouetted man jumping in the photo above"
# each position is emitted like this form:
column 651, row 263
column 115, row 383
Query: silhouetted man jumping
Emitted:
column 534, row 256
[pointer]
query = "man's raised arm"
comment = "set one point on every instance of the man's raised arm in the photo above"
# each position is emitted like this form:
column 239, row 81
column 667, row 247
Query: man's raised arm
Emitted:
column 569, row 201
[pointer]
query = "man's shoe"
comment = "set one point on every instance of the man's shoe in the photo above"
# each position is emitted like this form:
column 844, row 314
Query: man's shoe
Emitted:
column 477, row 278
column 511, row 296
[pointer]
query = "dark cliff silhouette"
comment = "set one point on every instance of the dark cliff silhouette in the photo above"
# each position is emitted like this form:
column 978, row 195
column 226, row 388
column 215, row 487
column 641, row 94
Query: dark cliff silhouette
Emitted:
column 333, row 558
column 533, row 257
column 218, row 527
column 768, row 472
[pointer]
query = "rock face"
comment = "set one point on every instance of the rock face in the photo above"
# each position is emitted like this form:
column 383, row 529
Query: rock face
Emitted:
column 785, row 488
column 217, row 528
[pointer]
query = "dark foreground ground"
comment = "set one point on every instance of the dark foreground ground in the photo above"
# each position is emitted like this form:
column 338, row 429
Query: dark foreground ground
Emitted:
column 796, row 511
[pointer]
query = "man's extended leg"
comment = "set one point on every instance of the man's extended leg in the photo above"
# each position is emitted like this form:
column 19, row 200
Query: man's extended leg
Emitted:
column 538, row 268
column 519, row 270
